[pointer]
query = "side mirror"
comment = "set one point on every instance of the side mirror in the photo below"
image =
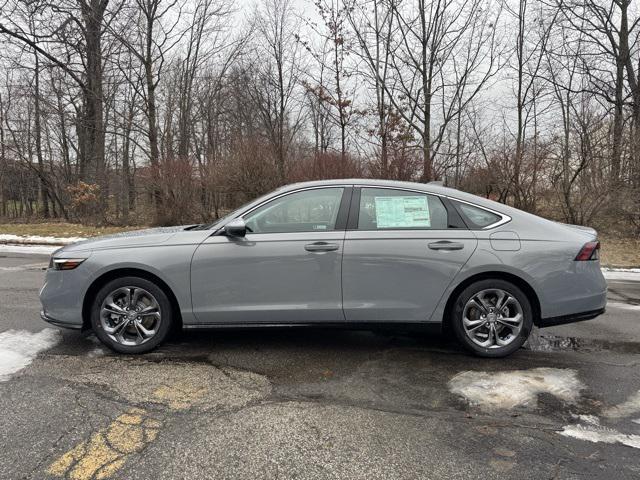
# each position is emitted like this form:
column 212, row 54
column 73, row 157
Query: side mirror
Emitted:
column 236, row 228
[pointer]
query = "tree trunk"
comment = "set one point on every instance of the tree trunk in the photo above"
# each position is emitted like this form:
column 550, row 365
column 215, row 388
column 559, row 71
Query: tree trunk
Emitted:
column 43, row 196
column 152, row 116
column 93, row 121
column 427, row 73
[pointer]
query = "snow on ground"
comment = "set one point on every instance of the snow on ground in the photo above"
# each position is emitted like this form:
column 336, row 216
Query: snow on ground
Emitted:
column 18, row 348
column 599, row 434
column 626, row 409
column 632, row 274
column 515, row 388
column 590, row 430
column 30, row 249
column 520, row 388
column 21, row 268
column 37, row 240
column 623, row 306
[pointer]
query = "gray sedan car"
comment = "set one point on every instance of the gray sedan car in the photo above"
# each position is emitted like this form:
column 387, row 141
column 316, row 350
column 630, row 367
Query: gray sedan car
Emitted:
column 348, row 252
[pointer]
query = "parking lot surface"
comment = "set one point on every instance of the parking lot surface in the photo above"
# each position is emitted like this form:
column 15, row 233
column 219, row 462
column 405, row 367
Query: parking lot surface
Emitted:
column 316, row 403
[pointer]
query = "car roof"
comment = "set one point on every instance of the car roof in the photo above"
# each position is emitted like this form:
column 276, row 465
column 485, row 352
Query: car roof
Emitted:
column 432, row 187
column 427, row 187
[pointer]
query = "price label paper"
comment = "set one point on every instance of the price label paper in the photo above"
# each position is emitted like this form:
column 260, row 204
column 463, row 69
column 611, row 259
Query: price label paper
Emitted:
column 402, row 212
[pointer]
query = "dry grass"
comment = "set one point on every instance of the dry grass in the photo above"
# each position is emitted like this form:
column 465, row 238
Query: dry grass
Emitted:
column 59, row 229
column 619, row 251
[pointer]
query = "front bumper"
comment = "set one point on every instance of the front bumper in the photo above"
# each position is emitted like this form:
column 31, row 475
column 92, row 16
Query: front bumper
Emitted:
column 61, row 297
column 57, row 323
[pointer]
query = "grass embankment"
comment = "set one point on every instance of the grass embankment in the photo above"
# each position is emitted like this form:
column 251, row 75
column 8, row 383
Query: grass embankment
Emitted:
column 616, row 251
column 619, row 251
column 59, row 229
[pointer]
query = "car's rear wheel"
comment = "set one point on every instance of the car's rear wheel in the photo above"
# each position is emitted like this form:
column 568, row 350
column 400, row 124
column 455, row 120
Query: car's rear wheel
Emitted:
column 131, row 315
column 492, row 318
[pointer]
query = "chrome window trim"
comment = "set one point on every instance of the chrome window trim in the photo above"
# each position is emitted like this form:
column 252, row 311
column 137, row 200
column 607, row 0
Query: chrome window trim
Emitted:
column 290, row 193
column 284, row 194
column 504, row 218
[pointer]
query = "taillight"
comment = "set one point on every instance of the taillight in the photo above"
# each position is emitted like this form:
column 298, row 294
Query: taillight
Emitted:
column 590, row 251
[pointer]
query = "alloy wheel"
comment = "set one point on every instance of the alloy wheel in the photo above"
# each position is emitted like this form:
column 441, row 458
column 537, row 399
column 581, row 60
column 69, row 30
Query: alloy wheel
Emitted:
column 492, row 318
column 130, row 315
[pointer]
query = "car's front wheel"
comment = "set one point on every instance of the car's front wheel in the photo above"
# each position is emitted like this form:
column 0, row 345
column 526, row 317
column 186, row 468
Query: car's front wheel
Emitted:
column 492, row 318
column 131, row 315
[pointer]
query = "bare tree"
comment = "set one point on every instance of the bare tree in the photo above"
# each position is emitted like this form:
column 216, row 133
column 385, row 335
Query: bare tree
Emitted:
column 610, row 38
column 372, row 23
column 331, row 56
column 427, row 38
column 278, row 64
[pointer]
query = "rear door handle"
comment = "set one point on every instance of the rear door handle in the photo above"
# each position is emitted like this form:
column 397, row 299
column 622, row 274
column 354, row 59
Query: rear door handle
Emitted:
column 321, row 247
column 446, row 245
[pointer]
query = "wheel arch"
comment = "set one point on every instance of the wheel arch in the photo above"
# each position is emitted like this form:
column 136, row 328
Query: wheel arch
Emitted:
column 106, row 277
column 519, row 282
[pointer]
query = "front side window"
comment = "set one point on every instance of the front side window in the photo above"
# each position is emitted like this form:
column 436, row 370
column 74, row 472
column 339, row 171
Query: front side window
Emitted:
column 387, row 209
column 313, row 210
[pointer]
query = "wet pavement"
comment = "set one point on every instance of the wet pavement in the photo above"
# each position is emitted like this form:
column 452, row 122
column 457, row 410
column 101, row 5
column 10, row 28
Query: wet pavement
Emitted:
column 320, row 403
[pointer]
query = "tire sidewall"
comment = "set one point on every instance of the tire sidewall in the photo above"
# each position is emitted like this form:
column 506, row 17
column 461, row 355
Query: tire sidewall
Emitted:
column 463, row 298
column 165, row 311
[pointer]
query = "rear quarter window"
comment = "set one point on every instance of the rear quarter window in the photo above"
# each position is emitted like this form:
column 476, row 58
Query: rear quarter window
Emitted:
column 477, row 217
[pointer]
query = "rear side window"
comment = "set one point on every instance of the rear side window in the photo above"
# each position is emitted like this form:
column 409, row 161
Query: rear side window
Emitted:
column 386, row 209
column 477, row 217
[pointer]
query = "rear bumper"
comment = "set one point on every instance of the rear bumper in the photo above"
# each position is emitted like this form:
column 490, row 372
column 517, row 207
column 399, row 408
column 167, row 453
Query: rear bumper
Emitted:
column 574, row 317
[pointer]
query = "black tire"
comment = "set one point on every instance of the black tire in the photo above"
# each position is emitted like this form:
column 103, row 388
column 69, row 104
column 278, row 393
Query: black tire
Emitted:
column 496, row 351
column 165, row 307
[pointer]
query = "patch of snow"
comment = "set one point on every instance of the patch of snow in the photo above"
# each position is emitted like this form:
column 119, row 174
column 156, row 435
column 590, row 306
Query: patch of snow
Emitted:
column 516, row 388
column 38, row 240
column 18, row 348
column 590, row 419
column 630, row 407
column 30, row 249
column 619, row 269
column 623, row 306
column 96, row 352
column 30, row 266
column 590, row 429
column 594, row 432
column 631, row 274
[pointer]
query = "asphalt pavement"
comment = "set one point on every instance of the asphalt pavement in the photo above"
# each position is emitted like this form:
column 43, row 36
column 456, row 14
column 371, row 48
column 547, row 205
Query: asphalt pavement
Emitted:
column 316, row 403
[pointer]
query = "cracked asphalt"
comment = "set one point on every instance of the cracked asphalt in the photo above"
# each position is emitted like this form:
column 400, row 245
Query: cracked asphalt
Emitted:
column 314, row 403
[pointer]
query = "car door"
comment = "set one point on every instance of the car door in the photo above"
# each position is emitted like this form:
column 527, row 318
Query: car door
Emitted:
column 402, row 249
column 287, row 268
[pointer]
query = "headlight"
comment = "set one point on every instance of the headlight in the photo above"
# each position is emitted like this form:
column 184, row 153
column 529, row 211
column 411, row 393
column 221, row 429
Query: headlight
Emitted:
column 65, row 263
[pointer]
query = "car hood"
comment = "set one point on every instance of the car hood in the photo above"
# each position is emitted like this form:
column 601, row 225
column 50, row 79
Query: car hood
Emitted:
column 135, row 238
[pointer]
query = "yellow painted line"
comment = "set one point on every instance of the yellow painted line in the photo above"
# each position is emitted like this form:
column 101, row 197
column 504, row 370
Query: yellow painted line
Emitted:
column 107, row 450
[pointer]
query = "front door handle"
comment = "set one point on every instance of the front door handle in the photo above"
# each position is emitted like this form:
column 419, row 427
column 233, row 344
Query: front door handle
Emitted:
column 321, row 247
column 446, row 245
